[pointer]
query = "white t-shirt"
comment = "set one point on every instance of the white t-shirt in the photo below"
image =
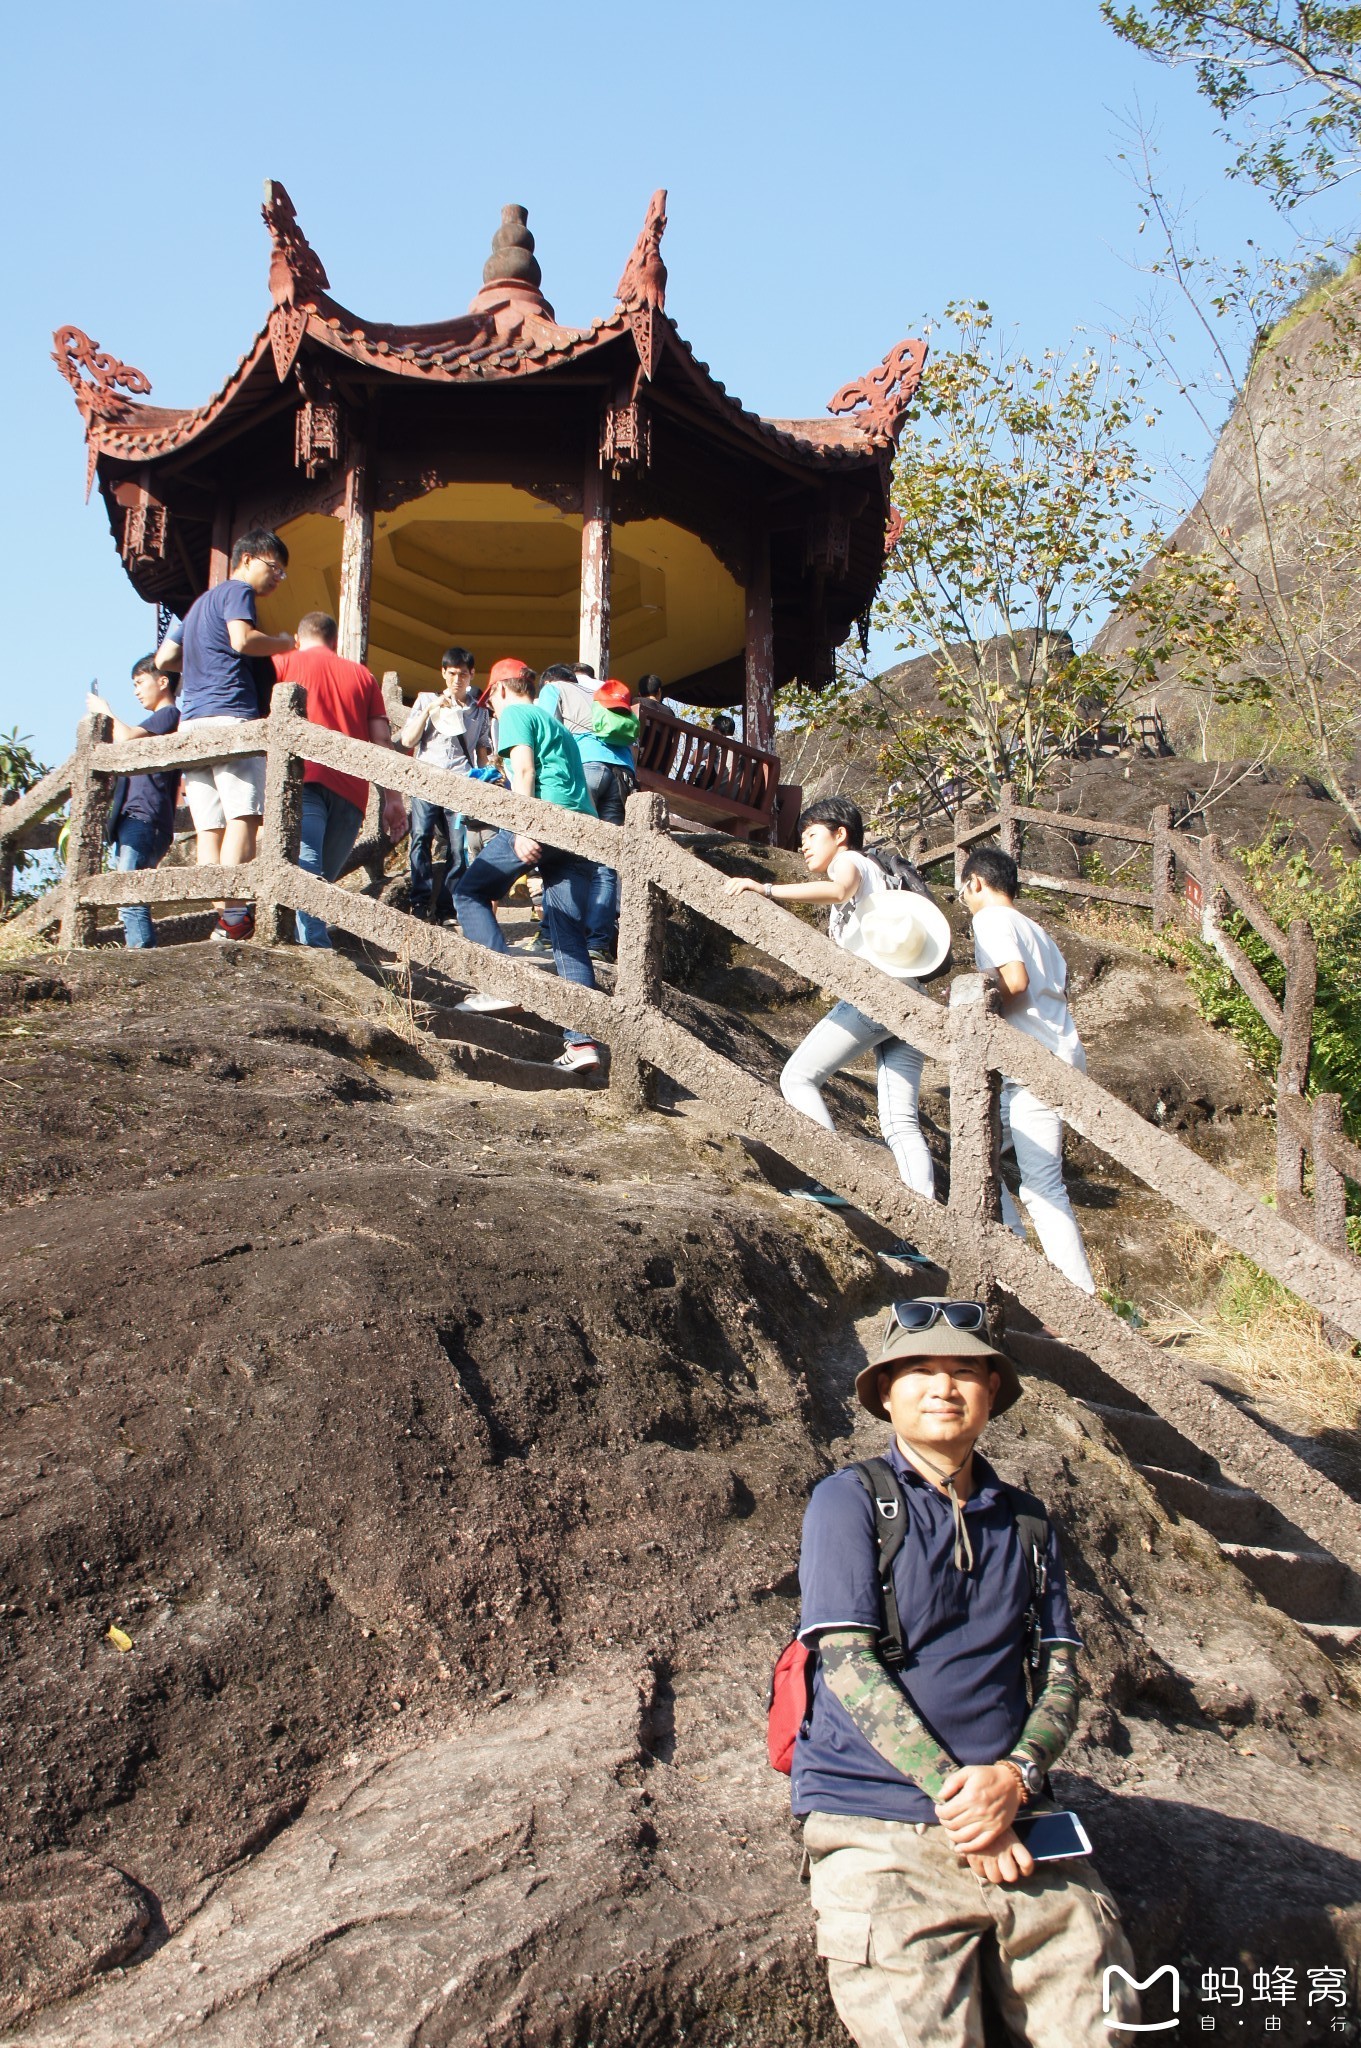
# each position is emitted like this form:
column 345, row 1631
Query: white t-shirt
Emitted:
column 870, row 881
column 1002, row 936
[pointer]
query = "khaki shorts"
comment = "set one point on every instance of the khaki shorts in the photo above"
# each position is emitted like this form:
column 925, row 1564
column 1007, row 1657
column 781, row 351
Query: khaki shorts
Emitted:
column 910, row 1935
column 224, row 789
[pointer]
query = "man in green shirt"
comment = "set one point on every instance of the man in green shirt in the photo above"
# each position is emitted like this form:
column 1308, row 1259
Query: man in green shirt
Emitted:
column 542, row 760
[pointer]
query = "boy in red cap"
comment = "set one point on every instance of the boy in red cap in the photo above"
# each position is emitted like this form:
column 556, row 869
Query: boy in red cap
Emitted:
column 542, row 760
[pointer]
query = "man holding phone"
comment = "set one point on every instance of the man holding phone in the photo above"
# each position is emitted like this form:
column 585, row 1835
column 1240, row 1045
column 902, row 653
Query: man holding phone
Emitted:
column 910, row 1780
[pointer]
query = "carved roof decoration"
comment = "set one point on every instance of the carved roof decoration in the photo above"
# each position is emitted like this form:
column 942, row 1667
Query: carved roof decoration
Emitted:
column 508, row 332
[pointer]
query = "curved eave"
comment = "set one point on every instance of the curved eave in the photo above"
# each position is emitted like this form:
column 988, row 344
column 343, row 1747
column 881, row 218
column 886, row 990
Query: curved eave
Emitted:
column 468, row 350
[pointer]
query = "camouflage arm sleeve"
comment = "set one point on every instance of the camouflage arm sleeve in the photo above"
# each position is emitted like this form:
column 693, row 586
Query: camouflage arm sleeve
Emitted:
column 1051, row 1721
column 881, row 1710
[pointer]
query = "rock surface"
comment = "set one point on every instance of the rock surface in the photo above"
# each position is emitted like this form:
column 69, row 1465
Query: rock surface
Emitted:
column 442, row 1452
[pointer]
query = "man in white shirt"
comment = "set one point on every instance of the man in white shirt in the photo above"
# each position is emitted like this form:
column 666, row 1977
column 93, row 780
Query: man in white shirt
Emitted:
column 1034, row 979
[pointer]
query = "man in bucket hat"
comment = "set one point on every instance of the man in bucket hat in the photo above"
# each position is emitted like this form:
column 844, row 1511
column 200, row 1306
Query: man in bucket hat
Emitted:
column 909, row 1780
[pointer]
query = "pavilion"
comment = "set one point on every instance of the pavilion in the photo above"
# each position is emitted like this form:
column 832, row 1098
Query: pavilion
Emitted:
column 503, row 481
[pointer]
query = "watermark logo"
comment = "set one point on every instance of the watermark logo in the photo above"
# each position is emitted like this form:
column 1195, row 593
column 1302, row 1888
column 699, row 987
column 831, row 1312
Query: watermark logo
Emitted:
column 1108, row 1977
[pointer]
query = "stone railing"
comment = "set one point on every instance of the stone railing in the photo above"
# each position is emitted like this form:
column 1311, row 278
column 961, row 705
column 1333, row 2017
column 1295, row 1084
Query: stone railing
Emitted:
column 641, row 1024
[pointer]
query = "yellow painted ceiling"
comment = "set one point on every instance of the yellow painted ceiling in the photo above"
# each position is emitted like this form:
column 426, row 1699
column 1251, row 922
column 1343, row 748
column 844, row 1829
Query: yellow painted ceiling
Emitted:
column 489, row 567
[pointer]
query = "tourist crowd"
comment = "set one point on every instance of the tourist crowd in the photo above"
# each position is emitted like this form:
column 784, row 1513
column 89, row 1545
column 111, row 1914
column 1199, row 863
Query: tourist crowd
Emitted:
column 567, row 738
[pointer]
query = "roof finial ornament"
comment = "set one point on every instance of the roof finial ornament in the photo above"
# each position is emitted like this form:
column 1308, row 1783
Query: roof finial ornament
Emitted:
column 641, row 291
column 644, row 279
column 296, row 272
column 97, row 392
column 512, row 251
column 886, row 392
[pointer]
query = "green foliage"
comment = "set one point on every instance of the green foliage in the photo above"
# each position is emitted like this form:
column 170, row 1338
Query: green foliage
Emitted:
column 1018, row 489
column 20, row 767
column 1289, row 70
column 1331, row 906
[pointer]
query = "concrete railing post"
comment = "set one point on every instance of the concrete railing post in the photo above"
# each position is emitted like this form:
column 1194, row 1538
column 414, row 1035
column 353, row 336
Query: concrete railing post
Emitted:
column 963, row 822
column 7, row 851
column 281, row 829
column 1330, row 1194
column 1214, row 905
column 1164, row 866
column 1292, row 1076
column 642, row 942
column 85, row 839
column 1009, row 825
column 975, row 1132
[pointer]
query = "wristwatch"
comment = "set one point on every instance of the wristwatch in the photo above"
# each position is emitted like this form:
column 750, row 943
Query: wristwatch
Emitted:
column 1030, row 1775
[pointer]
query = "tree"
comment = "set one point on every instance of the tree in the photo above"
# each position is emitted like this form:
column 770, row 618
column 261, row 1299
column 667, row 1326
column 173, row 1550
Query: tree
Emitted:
column 1017, row 490
column 1288, row 70
column 20, row 767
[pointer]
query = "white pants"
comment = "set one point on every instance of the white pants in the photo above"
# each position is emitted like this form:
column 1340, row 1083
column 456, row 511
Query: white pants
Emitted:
column 1037, row 1138
column 843, row 1034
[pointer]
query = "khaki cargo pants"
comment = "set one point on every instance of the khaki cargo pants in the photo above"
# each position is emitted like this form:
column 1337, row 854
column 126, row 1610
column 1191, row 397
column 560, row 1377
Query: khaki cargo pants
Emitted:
column 903, row 1925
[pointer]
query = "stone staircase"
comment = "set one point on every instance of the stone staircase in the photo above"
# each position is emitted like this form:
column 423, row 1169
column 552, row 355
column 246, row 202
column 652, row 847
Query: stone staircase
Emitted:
column 1318, row 1592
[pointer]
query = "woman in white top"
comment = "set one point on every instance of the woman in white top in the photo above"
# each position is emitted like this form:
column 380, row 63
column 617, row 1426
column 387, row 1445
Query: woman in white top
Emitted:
column 831, row 839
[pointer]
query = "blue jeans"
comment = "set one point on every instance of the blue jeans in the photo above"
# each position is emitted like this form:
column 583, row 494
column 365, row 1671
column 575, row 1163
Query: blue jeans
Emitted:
column 330, row 826
column 611, row 787
column 567, row 882
column 426, row 818
column 137, row 845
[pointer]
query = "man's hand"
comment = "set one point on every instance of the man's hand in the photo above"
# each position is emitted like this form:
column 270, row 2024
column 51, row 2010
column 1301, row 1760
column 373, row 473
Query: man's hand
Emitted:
column 977, row 1804
column 100, row 705
column 743, row 885
column 1006, row 1862
column 394, row 814
column 528, row 850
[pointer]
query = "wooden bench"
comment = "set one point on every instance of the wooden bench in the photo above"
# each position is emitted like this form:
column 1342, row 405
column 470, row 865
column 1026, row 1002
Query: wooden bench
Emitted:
column 716, row 781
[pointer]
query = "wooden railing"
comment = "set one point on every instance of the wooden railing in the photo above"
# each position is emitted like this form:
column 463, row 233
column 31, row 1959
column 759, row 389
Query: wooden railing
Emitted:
column 1203, row 894
column 643, row 1024
column 705, row 775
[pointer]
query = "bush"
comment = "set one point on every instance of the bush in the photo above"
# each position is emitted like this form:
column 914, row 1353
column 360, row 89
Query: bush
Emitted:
column 1331, row 906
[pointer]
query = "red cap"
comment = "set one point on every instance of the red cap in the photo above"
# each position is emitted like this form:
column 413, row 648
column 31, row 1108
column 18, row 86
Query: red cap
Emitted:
column 507, row 670
column 614, row 695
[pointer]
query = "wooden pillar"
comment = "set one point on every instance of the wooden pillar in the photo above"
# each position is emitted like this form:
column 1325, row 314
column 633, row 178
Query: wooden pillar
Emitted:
column 758, row 702
column 596, row 545
column 356, row 559
column 220, row 546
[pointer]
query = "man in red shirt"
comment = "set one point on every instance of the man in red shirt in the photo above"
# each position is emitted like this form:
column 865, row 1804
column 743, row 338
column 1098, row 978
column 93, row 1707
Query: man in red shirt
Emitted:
column 346, row 697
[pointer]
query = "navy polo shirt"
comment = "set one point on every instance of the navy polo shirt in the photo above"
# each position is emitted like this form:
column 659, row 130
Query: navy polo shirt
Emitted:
column 965, row 1670
column 218, row 682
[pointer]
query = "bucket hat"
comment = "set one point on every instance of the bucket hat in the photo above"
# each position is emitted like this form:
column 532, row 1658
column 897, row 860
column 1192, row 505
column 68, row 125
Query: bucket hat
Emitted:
column 900, row 933
column 939, row 1340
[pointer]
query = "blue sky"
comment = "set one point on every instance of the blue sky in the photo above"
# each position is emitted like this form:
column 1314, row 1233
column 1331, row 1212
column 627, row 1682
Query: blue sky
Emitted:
column 836, row 175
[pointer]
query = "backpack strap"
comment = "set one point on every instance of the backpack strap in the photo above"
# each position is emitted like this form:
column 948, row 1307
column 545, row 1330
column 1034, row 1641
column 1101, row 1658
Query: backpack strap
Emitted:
column 880, row 1482
column 1032, row 1526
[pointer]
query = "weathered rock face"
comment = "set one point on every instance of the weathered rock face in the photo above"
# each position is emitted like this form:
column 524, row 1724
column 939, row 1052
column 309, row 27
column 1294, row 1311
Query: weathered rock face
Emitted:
column 443, row 1452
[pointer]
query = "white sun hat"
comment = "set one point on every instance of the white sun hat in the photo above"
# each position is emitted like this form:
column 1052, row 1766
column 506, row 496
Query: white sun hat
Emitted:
column 900, row 933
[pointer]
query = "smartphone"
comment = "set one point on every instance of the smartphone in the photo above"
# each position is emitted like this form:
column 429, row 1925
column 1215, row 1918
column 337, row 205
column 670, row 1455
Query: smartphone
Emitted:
column 1049, row 1836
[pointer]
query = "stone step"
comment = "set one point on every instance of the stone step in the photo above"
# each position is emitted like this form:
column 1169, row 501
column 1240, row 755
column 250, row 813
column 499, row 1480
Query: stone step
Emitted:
column 517, row 1035
column 1038, row 1352
column 1335, row 1638
column 1232, row 1514
column 1148, row 1440
column 1308, row 1585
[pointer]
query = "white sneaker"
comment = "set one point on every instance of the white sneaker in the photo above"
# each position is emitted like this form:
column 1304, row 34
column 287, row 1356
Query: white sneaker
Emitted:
column 477, row 1005
column 578, row 1059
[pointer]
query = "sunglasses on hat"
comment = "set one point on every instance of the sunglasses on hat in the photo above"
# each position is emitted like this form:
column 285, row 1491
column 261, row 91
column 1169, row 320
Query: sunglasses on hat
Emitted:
column 920, row 1315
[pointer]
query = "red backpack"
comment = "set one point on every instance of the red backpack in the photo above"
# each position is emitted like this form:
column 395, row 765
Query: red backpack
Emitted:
column 790, row 1707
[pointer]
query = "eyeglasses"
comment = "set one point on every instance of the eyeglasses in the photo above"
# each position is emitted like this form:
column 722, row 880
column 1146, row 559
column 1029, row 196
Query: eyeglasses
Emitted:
column 920, row 1315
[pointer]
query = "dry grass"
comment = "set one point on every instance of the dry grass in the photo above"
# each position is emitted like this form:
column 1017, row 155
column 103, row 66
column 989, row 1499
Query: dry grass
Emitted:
column 1269, row 1342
